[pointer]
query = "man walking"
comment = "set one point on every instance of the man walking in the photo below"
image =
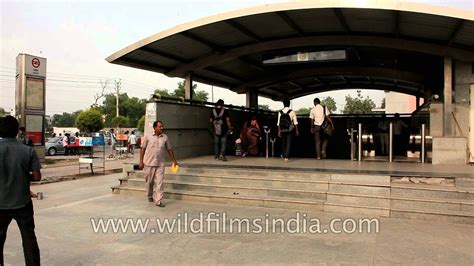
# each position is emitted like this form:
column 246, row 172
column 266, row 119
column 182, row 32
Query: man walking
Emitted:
column 287, row 124
column 132, row 141
column 17, row 161
column 318, row 114
column 219, row 118
column 152, row 161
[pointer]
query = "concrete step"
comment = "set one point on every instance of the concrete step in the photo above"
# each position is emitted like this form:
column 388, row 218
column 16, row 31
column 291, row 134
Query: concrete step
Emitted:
column 439, row 216
column 244, row 190
column 359, row 189
column 358, row 200
column 357, row 209
column 242, row 173
column 431, row 204
column 241, row 181
column 262, row 173
column 270, row 202
column 432, row 192
column 251, row 181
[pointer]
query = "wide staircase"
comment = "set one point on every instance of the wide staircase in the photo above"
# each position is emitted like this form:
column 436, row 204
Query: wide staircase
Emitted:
column 443, row 199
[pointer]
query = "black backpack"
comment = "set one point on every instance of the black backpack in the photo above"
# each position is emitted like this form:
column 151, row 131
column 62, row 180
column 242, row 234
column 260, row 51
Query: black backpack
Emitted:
column 286, row 125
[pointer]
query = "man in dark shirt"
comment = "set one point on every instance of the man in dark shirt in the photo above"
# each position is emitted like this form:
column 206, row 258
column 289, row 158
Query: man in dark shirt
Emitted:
column 219, row 118
column 17, row 161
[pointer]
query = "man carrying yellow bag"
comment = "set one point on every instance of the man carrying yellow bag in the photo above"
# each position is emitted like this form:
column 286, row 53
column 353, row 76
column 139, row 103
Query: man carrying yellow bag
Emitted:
column 152, row 161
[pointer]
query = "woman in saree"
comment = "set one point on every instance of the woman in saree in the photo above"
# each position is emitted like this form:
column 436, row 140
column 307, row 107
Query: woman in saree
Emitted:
column 250, row 136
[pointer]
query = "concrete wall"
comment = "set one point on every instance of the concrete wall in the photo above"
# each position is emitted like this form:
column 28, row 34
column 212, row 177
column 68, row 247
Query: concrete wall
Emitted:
column 188, row 127
column 449, row 150
column 463, row 81
column 454, row 150
column 396, row 102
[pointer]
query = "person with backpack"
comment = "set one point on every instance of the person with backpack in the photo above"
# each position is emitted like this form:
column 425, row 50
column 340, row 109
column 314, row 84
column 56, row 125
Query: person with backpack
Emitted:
column 287, row 123
column 319, row 116
column 219, row 118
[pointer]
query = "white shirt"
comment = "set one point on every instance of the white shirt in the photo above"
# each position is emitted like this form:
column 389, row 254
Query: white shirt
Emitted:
column 132, row 139
column 292, row 116
column 317, row 114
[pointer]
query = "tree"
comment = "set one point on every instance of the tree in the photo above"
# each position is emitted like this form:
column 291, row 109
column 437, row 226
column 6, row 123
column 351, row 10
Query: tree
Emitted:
column 163, row 92
column 358, row 105
column 100, row 95
column 141, row 124
column 89, row 121
column 329, row 103
column 120, row 121
column 2, row 112
column 198, row 95
column 265, row 107
column 303, row 111
column 64, row 120
column 132, row 108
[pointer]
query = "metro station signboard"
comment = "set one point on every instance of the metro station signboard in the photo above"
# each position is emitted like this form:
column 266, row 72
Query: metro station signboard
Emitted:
column 35, row 66
column 30, row 102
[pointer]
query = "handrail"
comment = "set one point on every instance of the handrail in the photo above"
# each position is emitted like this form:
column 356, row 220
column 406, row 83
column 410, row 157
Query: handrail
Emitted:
column 181, row 100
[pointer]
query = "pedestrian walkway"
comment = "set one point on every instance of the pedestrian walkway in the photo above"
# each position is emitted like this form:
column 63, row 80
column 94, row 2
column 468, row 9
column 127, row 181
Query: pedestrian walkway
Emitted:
column 66, row 237
column 71, row 168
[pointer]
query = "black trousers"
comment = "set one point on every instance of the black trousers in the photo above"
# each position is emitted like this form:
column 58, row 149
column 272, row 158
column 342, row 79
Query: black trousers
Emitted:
column 286, row 139
column 26, row 223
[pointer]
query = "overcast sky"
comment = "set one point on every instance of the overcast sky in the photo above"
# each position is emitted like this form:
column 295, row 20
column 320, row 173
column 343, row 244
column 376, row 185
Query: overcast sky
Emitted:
column 76, row 37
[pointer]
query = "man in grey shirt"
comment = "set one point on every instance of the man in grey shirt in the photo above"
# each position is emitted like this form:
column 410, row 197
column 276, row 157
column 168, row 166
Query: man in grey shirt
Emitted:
column 17, row 162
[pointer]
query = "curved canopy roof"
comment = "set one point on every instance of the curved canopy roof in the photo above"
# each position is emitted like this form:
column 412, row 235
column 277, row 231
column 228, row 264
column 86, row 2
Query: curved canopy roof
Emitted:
column 299, row 48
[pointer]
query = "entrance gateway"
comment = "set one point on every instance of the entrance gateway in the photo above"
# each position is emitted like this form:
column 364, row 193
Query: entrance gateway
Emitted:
column 290, row 50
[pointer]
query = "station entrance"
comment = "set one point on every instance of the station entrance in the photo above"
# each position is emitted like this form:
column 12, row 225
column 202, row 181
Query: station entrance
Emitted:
column 290, row 50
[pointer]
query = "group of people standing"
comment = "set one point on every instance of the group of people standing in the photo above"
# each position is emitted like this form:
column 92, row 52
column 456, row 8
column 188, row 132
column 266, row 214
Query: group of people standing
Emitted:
column 287, row 124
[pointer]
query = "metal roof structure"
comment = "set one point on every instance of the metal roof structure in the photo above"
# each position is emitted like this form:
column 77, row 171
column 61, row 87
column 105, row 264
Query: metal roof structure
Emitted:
column 386, row 45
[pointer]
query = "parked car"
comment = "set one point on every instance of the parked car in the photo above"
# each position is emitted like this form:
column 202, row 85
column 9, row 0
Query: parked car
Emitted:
column 54, row 146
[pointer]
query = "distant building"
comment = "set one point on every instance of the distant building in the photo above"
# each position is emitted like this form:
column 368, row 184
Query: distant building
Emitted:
column 400, row 103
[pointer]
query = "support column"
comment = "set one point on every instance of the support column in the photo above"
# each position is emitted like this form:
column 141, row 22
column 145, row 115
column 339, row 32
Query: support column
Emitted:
column 448, row 97
column 252, row 99
column 188, row 86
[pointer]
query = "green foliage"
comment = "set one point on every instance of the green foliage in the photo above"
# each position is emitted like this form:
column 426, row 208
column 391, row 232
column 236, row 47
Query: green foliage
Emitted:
column 132, row 108
column 197, row 94
column 358, row 105
column 330, row 103
column 303, row 111
column 2, row 112
column 265, row 107
column 64, row 120
column 120, row 121
column 163, row 92
column 141, row 124
column 89, row 121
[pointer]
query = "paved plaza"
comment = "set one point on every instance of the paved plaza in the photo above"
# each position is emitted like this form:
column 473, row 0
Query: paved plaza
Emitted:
column 66, row 236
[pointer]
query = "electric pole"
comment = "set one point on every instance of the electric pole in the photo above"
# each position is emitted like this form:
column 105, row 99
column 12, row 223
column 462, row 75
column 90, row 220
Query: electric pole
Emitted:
column 117, row 93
